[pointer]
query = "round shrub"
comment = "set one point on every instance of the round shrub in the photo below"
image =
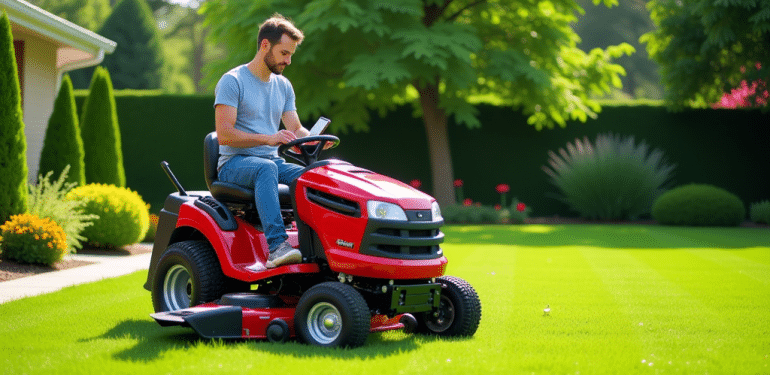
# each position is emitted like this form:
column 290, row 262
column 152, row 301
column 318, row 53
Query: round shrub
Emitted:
column 124, row 217
column 759, row 212
column 699, row 205
column 27, row 238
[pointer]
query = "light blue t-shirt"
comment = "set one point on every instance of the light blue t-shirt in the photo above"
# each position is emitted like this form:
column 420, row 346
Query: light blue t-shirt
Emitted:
column 260, row 106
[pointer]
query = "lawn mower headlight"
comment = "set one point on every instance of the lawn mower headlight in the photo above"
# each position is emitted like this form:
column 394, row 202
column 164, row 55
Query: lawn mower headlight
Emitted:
column 436, row 212
column 385, row 211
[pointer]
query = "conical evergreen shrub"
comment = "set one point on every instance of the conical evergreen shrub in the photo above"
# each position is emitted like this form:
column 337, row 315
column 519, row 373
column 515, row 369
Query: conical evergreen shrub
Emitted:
column 63, row 145
column 13, row 144
column 100, row 132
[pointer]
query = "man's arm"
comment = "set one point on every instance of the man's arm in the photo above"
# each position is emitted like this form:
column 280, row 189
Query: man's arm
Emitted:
column 228, row 135
column 292, row 123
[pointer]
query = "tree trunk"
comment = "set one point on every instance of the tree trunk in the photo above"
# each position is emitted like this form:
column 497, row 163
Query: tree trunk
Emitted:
column 435, row 120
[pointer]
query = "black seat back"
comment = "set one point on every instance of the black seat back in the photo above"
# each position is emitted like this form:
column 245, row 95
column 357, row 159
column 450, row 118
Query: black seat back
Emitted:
column 210, row 158
column 227, row 192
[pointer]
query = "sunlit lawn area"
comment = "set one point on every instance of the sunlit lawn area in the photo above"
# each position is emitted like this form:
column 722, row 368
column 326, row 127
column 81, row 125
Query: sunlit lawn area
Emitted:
column 623, row 299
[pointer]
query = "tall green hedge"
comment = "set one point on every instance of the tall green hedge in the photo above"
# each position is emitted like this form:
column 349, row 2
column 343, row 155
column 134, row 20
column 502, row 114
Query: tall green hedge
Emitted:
column 101, row 133
column 63, row 145
column 13, row 144
column 726, row 148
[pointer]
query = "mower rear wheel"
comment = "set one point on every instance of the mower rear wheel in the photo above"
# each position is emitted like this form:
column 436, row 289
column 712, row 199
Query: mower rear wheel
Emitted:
column 188, row 274
column 459, row 312
column 332, row 314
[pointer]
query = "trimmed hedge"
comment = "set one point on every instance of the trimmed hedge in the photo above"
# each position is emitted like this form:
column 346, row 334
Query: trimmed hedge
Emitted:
column 726, row 148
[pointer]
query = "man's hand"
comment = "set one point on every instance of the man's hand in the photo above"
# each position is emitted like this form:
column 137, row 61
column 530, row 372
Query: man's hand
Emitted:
column 282, row 137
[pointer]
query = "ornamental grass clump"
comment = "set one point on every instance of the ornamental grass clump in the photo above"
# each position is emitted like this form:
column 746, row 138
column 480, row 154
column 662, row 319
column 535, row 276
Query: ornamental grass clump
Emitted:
column 27, row 238
column 48, row 200
column 612, row 179
column 124, row 217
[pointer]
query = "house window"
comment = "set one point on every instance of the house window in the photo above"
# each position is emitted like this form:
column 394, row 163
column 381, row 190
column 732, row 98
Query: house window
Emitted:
column 18, row 48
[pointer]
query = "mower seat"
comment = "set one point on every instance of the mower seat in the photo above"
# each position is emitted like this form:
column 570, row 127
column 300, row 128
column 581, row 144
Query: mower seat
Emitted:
column 226, row 192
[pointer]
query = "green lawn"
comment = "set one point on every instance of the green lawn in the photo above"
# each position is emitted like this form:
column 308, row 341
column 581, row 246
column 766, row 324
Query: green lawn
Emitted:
column 623, row 299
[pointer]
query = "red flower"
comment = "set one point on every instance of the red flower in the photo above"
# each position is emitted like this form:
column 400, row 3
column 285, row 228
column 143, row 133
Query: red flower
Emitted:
column 458, row 183
column 498, row 207
column 416, row 184
column 468, row 202
column 503, row 188
column 521, row 207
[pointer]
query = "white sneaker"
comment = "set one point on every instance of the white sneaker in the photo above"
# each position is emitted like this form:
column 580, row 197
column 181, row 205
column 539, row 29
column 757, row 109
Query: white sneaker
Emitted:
column 284, row 254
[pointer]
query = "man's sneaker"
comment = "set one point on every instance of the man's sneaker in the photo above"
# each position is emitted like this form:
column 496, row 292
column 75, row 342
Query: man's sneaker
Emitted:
column 283, row 255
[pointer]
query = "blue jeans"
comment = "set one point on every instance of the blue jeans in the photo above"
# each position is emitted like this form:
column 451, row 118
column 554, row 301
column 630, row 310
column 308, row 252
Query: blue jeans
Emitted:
column 263, row 175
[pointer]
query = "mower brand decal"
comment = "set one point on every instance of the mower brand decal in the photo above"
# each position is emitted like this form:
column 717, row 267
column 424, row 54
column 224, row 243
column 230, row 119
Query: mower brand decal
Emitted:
column 347, row 244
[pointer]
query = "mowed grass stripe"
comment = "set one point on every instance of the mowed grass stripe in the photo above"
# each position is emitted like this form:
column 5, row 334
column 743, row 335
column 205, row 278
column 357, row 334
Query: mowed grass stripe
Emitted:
column 584, row 332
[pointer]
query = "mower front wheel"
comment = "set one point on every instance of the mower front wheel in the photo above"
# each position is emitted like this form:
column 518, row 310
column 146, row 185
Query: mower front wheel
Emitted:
column 332, row 314
column 188, row 274
column 459, row 312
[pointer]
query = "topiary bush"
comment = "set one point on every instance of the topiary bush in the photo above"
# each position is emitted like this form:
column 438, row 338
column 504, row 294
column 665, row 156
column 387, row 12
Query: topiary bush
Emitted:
column 124, row 217
column 611, row 179
column 13, row 143
column 699, row 205
column 759, row 212
column 27, row 238
column 63, row 146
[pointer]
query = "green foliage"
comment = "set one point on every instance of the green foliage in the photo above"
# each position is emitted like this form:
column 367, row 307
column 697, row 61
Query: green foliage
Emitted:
column 470, row 214
column 612, row 179
column 699, row 205
column 48, row 200
column 13, row 144
column 29, row 239
column 759, row 212
column 101, row 134
column 138, row 59
column 86, row 13
column 360, row 55
column 705, row 48
column 63, row 146
column 123, row 216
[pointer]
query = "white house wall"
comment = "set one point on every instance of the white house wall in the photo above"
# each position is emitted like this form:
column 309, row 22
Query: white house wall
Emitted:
column 40, row 78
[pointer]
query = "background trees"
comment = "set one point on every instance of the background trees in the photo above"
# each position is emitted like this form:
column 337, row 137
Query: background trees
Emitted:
column 706, row 48
column 441, row 56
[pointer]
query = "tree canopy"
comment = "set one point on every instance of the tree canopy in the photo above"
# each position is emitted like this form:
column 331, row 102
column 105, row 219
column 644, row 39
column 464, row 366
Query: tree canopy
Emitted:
column 442, row 56
column 707, row 48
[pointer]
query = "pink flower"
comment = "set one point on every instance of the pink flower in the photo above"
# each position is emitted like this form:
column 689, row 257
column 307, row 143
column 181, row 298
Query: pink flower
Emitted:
column 468, row 202
column 503, row 188
column 521, row 207
column 458, row 183
column 415, row 184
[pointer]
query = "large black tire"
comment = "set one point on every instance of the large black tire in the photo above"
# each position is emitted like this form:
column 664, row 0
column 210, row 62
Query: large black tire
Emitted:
column 188, row 274
column 332, row 314
column 459, row 313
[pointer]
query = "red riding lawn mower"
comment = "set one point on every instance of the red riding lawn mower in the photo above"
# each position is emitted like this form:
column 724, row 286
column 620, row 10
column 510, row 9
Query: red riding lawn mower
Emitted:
column 371, row 258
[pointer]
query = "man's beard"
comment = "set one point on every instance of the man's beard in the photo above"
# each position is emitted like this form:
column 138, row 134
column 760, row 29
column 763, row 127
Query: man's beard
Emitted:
column 272, row 65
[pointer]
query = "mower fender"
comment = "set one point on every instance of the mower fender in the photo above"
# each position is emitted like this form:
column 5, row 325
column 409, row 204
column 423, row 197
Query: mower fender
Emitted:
column 246, row 239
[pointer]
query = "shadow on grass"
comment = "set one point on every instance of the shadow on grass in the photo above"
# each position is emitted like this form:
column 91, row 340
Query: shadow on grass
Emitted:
column 610, row 236
column 154, row 340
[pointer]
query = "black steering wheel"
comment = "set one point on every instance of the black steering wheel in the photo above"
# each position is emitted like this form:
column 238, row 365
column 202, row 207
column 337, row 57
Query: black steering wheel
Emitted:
column 308, row 154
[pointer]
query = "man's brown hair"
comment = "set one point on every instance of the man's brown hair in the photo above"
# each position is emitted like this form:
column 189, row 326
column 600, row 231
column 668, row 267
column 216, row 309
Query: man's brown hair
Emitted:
column 274, row 28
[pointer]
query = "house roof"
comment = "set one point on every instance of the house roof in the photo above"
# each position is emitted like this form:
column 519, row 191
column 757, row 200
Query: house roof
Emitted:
column 56, row 28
